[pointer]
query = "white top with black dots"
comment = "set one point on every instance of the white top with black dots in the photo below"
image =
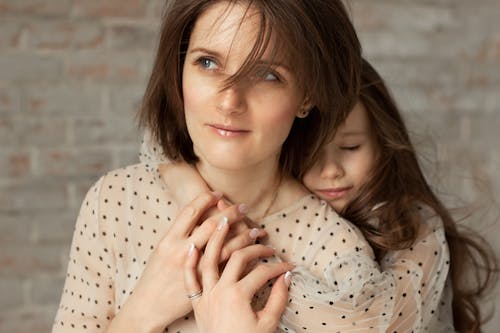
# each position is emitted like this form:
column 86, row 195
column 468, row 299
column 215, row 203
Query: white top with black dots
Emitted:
column 337, row 285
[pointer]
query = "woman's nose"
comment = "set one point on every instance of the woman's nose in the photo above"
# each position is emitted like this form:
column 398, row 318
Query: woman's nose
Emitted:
column 232, row 101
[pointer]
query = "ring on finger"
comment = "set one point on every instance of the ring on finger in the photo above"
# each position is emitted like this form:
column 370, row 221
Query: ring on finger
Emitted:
column 195, row 295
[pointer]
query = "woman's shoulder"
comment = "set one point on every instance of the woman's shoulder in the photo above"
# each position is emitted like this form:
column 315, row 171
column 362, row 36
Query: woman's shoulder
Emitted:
column 132, row 176
column 131, row 183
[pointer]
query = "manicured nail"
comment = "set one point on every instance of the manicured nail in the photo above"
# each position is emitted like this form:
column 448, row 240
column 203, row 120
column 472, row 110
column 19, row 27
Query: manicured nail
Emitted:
column 191, row 249
column 217, row 194
column 243, row 208
column 254, row 233
column 222, row 223
column 271, row 247
column 288, row 278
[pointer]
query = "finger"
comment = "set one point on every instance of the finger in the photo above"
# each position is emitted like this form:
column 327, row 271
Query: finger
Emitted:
column 189, row 215
column 277, row 301
column 191, row 284
column 240, row 259
column 244, row 239
column 242, row 225
column 201, row 235
column 261, row 274
column 223, row 204
column 210, row 267
column 237, row 228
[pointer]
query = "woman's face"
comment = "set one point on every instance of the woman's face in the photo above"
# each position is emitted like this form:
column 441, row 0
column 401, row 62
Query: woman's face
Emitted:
column 346, row 162
column 245, row 125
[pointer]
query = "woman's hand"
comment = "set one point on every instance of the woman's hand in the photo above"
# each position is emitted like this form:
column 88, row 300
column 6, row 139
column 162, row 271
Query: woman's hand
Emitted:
column 185, row 183
column 224, row 303
column 159, row 297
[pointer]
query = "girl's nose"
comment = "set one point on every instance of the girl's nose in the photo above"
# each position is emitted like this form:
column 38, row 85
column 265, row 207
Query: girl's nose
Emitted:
column 332, row 169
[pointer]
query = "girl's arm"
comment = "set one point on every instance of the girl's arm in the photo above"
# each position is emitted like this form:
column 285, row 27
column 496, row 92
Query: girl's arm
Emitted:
column 350, row 293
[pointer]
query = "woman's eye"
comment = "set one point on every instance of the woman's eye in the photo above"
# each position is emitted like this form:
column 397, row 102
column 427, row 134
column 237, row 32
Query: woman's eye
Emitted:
column 207, row 63
column 270, row 77
column 267, row 76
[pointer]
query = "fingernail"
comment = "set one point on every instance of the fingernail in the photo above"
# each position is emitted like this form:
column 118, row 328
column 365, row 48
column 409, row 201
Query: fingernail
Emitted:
column 288, row 278
column 222, row 223
column 254, row 233
column 243, row 208
column 217, row 194
column 191, row 249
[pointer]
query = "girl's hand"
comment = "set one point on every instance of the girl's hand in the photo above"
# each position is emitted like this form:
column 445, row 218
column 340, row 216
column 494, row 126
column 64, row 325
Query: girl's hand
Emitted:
column 224, row 303
column 159, row 297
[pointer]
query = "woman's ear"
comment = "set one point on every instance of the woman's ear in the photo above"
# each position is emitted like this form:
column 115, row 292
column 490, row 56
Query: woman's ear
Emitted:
column 305, row 108
column 302, row 113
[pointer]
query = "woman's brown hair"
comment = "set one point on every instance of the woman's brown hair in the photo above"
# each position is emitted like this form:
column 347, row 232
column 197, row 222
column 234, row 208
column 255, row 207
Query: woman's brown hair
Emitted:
column 399, row 182
column 319, row 40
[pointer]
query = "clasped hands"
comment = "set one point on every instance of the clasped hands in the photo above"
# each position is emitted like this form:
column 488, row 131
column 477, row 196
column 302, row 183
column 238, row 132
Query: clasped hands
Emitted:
column 222, row 302
column 187, row 261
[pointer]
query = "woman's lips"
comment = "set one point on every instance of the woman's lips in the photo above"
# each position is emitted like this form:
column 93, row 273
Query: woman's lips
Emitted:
column 334, row 193
column 227, row 131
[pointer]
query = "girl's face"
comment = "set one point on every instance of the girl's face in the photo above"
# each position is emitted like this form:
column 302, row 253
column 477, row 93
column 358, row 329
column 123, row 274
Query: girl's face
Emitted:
column 245, row 125
column 346, row 162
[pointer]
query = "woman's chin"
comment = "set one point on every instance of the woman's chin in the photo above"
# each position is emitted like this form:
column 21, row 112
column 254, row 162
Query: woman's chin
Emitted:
column 225, row 161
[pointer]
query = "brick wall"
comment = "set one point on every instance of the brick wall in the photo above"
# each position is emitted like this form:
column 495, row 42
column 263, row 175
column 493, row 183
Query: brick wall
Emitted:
column 72, row 73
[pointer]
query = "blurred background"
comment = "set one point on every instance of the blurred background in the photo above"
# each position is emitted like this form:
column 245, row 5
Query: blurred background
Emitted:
column 72, row 74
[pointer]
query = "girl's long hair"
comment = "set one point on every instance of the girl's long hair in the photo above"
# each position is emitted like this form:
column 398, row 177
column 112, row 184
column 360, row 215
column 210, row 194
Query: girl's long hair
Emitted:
column 398, row 181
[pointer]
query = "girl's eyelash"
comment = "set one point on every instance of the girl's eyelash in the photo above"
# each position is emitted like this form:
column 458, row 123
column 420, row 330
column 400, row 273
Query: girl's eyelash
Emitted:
column 350, row 147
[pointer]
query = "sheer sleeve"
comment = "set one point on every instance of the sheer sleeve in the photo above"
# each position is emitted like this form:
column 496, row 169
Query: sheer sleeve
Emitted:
column 353, row 294
column 87, row 303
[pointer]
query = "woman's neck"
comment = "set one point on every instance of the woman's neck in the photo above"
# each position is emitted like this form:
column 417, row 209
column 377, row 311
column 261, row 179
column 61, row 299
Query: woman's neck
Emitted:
column 262, row 188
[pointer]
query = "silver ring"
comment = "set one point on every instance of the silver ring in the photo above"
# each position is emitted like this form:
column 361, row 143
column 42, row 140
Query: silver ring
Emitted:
column 195, row 295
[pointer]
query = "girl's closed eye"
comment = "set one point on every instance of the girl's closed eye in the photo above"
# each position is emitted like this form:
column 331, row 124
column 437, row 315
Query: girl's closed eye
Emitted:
column 350, row 147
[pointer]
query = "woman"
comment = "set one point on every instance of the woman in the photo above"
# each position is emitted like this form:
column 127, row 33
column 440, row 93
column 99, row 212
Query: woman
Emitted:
column 236, row 86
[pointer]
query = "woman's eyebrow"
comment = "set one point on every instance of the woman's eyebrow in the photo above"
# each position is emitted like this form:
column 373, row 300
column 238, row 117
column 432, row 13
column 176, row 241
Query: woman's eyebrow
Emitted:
column 206, row 51
column 218, row 55
column 273, row 64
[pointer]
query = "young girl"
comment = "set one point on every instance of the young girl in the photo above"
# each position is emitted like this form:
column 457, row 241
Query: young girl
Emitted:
column 236, row 85
column 369, row 174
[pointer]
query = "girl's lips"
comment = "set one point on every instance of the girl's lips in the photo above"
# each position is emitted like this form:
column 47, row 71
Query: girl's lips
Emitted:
column 334, row 193
column 227, row 131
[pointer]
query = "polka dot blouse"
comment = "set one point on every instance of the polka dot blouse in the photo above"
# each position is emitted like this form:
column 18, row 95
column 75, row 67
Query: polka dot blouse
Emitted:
column 337, row 285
